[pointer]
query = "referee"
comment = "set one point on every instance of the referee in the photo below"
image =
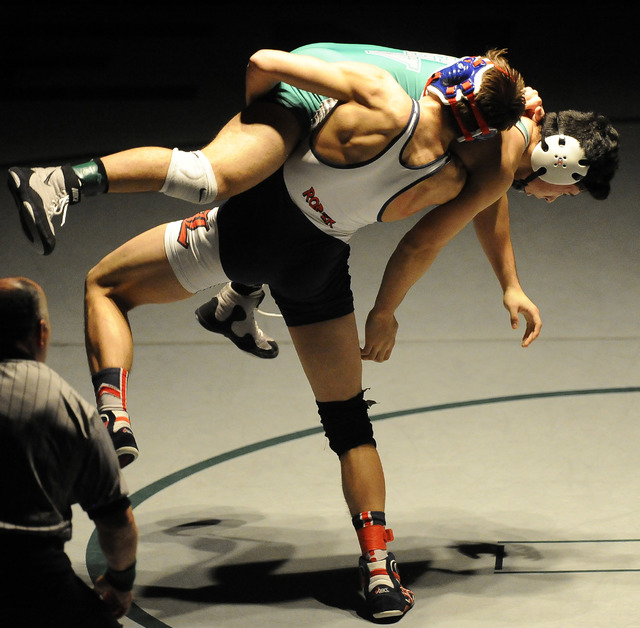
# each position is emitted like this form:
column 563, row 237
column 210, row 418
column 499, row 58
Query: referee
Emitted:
column 54, row 452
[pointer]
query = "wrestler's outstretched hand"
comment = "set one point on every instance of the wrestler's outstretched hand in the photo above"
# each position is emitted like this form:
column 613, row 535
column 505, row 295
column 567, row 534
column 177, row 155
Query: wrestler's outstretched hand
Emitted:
column 517, row 302
column 380, row 337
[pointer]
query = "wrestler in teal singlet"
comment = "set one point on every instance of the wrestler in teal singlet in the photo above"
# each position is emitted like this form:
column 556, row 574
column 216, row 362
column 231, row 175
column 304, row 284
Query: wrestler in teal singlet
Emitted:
column 410, row 69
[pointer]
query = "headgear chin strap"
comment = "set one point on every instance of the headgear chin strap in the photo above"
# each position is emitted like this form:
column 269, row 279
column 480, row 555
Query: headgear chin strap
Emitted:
column 458, row 81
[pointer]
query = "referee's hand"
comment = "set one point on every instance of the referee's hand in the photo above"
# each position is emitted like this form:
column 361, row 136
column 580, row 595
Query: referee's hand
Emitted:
column 119, row 602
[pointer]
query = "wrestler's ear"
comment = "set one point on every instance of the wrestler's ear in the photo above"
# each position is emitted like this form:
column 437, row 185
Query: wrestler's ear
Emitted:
column 42, row 339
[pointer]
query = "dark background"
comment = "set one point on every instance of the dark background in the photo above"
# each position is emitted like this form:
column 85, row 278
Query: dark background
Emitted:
column 83, row 78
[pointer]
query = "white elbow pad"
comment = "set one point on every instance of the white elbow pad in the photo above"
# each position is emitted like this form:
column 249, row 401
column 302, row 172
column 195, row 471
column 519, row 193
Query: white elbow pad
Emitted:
column 190, row 178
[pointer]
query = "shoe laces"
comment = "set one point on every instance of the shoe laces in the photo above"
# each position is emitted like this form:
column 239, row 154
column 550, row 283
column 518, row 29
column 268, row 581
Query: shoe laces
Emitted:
column 60, row 206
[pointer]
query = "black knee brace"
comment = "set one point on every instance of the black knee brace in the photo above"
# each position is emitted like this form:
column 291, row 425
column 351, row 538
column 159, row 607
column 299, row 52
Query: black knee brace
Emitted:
column 346, row 423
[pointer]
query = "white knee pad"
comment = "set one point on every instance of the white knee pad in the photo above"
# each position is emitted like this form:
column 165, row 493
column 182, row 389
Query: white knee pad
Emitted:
column 190, row 178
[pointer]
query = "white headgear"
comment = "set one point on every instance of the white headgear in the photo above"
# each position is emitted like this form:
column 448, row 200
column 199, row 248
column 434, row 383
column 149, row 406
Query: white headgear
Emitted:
column 561, row 159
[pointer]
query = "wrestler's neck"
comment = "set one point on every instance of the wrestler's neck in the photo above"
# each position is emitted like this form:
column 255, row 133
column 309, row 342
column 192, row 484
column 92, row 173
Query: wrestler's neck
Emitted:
column 439, row 125
column 524, row 168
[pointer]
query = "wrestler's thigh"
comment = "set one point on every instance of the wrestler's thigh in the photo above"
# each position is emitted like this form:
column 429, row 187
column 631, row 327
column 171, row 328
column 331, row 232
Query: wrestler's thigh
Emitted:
column 138, row 272
column 251, row 147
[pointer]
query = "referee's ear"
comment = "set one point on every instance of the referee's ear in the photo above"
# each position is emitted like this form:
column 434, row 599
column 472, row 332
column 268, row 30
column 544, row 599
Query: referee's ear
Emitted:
column 42, row 339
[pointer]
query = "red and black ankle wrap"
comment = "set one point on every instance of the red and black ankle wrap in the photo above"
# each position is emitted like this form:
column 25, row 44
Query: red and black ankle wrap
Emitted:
column 371, row 531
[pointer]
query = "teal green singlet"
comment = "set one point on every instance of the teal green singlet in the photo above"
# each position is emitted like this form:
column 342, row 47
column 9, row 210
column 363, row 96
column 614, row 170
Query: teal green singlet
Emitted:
column 410, row 69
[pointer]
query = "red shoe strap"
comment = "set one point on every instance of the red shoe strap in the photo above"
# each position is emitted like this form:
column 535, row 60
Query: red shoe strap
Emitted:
column 374, row 538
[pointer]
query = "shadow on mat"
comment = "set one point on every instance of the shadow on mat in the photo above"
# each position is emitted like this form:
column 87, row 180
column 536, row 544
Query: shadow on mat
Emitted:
column 256, row 583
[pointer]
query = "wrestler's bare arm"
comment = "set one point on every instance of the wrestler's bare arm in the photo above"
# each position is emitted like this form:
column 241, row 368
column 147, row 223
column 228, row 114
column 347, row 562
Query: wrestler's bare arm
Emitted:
column 492, row 227
column 361, row 83
column 486, row 184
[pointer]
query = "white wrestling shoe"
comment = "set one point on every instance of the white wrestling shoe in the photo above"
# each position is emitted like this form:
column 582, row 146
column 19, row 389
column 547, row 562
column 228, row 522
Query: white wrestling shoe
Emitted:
column 232, row 315
column 41, row 194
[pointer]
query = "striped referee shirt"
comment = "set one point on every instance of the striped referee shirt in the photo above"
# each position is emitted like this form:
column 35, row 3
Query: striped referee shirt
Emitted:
column 54, row 452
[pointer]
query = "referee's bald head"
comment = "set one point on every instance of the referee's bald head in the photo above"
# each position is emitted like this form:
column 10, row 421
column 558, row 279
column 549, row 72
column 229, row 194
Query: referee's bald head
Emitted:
column 24, row 318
